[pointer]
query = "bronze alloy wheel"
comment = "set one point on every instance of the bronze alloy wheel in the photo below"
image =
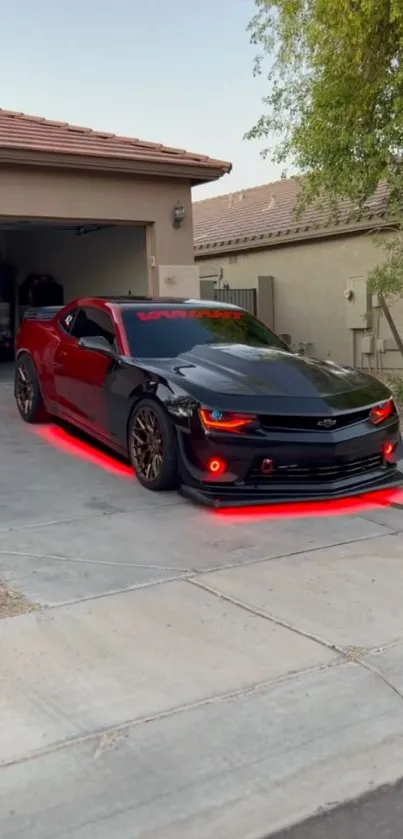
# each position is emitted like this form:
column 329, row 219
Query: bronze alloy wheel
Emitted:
column 24, row 390
column 146, row 444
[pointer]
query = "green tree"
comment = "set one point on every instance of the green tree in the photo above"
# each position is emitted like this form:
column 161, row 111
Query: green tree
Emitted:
column 335, row 103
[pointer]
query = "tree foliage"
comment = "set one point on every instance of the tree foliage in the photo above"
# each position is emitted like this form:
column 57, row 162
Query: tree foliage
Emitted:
column 336, row 91
column 335, row 103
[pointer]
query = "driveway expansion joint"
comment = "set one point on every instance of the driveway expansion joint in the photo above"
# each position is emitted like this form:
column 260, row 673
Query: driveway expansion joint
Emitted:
column 115, row 731
column 351, row 654
column 289, row 554
column 84, row 561
column 184, row 574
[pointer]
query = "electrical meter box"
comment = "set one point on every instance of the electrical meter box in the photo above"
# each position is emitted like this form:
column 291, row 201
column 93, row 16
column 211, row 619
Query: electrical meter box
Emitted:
column 367, row 345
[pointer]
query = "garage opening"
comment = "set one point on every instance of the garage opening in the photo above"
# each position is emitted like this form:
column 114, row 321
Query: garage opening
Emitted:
column 47, row 264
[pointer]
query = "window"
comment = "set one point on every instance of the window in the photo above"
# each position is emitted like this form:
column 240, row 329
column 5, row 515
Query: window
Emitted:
column 92, row 323
column 67, row 322
column 166, row 333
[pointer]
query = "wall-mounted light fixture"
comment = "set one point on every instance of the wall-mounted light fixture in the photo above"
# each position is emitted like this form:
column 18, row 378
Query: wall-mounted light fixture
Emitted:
column 178, row 214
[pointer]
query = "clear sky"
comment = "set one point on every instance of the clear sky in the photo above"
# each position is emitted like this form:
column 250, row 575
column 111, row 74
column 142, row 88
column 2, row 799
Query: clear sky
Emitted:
column 176, row 72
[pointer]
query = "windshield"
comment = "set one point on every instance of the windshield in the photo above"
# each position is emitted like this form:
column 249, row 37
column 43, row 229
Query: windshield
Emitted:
column 167, row 333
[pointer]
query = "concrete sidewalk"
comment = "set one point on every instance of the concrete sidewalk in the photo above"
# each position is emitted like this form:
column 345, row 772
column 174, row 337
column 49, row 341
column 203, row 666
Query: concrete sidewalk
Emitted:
column 189, row 674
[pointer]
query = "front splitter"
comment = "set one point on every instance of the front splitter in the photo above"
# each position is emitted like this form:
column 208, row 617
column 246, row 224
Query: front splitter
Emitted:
column 240, row 496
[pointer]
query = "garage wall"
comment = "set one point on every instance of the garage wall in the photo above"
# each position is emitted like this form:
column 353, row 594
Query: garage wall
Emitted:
column 111, row 261
column 62, row 195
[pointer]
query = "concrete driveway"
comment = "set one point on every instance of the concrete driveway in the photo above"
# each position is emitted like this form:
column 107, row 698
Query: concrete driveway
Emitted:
column 188, row 674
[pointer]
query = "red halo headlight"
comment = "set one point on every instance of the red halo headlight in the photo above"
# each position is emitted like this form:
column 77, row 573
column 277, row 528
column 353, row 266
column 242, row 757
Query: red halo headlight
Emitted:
column 380, row 413
column 224, row 420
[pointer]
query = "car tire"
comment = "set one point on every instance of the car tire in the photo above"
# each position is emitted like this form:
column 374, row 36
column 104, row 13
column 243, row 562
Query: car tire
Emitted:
column 153, row 447
column 27, row 390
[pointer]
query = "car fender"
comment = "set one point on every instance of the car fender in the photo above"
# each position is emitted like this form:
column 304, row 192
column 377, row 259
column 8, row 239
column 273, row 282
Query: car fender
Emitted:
column 177, row 402
column 23, row 351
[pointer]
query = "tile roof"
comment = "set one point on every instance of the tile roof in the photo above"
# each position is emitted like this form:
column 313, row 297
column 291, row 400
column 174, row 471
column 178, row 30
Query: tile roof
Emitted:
column 265, row 214
column 30, row 133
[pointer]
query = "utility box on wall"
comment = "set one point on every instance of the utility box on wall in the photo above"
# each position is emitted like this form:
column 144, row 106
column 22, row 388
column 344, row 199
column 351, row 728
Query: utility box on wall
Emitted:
column 358, row 303
column 367, row 345
column 207, row 289
column 178, row 281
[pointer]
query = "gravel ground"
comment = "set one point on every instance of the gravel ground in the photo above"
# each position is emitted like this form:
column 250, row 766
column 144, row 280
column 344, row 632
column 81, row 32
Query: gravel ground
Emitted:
column 13, row 603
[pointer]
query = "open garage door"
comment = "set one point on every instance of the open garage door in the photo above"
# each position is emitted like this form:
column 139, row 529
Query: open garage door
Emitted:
column 63, row 262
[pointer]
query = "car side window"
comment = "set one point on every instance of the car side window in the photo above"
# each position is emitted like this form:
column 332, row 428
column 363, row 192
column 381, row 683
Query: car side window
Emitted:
column 93, row 323
column 67, row 321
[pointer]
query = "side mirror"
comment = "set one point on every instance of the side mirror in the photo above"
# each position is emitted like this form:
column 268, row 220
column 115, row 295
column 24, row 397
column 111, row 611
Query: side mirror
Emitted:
column 97, row 343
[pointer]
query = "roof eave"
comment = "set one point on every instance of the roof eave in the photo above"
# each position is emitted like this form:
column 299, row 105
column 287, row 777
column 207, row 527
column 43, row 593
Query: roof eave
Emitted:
column 197, row 172
column 252, row 243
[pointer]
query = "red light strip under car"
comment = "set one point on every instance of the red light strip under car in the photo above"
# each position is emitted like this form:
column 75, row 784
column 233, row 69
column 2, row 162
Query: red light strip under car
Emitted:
column 382, row 412
column 228, row 422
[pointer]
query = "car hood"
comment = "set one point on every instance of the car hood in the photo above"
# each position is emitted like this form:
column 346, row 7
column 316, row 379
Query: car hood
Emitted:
column 239, row 369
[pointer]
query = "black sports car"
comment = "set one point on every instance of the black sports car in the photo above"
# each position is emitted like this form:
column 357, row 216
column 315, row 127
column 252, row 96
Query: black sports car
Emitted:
column 204, row 396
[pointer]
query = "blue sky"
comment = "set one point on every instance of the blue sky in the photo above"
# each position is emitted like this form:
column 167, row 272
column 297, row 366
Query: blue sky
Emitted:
column 176, row 72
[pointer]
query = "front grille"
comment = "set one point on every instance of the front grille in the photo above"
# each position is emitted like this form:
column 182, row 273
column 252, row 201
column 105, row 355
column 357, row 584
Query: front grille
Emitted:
column 310, row 423
column 319, row 472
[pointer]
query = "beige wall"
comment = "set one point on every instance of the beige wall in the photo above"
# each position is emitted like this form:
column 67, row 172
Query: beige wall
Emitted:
column 111, row 261
column 309, row 284
column 30, row 193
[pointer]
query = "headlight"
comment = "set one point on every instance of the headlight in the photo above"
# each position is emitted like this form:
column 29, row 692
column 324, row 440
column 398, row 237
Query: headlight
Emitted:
column 224, row 421
column 380, row 413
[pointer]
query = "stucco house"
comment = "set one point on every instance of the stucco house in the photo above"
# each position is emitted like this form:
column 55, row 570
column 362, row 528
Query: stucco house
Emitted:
column 95, row 212
column 307, row 277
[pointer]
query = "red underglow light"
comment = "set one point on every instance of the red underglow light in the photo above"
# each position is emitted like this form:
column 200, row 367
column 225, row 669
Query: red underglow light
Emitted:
column 68, row 443
column 229, row 422
column 382, row 412
column 388, row 449
column 61, row 439
column 216, row 466
column 311, row 509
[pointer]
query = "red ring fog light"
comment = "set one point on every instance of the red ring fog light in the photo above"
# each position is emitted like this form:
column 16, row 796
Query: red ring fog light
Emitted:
column 216, row 466
column 388, row 449
column 267, row 466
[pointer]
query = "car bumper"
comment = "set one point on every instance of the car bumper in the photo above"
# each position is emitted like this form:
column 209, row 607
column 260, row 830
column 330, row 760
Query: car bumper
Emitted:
column 220, row 496
column 357, row 467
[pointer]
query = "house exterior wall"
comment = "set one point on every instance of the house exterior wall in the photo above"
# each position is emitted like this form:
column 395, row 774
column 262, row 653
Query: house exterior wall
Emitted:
column 110, row 261
column 309, row 284
column 59, row 195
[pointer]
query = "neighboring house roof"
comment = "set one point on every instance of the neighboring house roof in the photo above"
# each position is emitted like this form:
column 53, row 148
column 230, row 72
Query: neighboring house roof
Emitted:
column 30, row 134
column 264, row 216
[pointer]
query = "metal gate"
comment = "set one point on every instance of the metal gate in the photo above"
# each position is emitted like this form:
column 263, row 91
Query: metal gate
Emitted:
column 244, row 297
